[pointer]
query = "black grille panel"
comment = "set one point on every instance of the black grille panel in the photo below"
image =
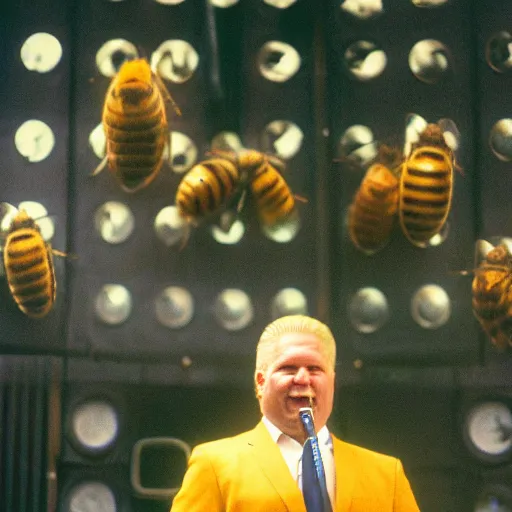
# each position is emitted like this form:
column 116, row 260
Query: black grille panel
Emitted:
column 24, row 388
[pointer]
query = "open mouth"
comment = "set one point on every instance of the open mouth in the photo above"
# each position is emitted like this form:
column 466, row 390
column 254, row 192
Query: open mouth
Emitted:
column 303, row 401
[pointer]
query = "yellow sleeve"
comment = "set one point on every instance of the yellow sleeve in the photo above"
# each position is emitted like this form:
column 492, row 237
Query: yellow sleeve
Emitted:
column 404, row 497
column 200, row 489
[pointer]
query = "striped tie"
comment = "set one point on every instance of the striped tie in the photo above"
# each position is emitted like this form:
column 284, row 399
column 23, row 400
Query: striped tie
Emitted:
column 314, row 487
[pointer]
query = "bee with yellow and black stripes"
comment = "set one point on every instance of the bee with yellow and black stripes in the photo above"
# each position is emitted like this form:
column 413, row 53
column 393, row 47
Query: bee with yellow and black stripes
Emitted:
column 28, row 262
column 207, row 188
column 274, row 200
column 135, row 124
column 372, row 212
column 492, row 295
column 426, row 186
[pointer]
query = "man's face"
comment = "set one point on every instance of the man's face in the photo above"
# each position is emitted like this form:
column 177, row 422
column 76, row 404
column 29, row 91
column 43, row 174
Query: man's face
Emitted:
column 299, row 371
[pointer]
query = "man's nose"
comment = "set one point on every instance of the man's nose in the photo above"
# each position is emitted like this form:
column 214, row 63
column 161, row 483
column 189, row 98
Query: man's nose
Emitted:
column 302, row 376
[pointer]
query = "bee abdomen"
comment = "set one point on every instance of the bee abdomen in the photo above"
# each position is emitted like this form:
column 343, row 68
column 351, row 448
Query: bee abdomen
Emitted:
column 274, row 200
column 371, row 214
column 29, row 272
column 206, row 187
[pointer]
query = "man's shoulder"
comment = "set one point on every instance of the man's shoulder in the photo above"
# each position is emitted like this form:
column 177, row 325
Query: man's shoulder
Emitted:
column 220, row 445
column 363, row 453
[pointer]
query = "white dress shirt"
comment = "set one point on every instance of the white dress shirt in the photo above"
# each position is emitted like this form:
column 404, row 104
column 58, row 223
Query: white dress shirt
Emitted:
column 292, row 454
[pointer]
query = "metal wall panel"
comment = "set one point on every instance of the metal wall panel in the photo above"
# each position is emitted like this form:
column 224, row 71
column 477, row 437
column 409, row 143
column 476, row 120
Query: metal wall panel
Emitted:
column 492, row 105
column 30, row 95
column 382, row 105
column 257, row 265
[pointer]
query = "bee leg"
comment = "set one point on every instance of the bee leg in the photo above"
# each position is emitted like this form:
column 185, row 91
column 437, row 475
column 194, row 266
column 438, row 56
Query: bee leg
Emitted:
column 100, row 167
column 185, row 239
column 59, row 253
column 166, row 94
column 241, row 202
column 301, row 199
column 226, row 220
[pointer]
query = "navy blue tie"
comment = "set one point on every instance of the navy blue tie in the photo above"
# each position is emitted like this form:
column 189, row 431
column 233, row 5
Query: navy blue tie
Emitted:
column 314, row 487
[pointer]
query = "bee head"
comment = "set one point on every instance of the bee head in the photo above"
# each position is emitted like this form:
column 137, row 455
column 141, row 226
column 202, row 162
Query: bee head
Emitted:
column 433, row 134
column 23, row 220
column 499, row 256
column 134, row 81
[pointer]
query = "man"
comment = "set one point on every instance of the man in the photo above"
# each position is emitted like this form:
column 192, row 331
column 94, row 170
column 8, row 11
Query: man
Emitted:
column 261, row 470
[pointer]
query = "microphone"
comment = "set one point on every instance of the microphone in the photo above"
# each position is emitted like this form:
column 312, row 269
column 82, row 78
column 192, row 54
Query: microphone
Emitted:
column 314, row 485
column 306, row 416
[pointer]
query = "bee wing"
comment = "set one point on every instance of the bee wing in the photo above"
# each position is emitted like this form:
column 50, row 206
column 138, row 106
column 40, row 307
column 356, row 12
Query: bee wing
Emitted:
column 414, row 127
column 277, row 162
column 360, row 157
column 451, row 133
column 100, row 167
column 7, row 214
column 165, row 93
column 482, row 249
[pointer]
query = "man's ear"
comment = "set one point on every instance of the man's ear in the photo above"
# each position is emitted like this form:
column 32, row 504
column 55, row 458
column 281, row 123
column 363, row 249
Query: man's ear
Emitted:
column 260, row 382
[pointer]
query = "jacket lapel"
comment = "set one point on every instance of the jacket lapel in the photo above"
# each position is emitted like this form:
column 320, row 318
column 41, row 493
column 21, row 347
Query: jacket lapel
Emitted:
column 271, row 462
column 345, row 475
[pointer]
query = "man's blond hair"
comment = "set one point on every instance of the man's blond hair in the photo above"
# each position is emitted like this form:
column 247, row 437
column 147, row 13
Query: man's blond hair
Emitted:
column 266, row 348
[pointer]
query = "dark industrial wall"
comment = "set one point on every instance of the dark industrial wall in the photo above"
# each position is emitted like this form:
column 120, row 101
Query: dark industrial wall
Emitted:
column 100, row 381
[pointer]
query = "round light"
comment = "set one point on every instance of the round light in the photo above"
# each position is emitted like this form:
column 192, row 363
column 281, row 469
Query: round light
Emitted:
column 232, row 236
column 95, row 425
column 112, row 54
column 357, row 146
column 91, row 497
column 226, row 141
column 183, row 152
column 34, row 140
column 278, row 61
column 282, row 138
column 98, row 141
column 174, row 307
column 175, row 60
column 364, row 60
column 223, row 3
column 288, row 301
column 362, row 9
column 233, row 309
column 41, row 52
column 368, row 310
column 113, row 304
column 431, row 307
column 280, row 4
column 428, row 3
column 284, row 231
column 500, row 139
column 170, row 227
column 114, row 222
column 488, row 431
column 428, row 60
column 498, row 52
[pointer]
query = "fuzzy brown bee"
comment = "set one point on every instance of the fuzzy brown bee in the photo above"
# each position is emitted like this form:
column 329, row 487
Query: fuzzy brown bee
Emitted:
column 207, row 188
column 135, row 124
column 492, row 296
column 29, row 268
column 273, row 198
column 372, row 211
column 426, row 186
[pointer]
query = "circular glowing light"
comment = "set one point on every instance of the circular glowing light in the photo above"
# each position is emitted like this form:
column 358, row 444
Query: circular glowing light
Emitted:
column 41, row 52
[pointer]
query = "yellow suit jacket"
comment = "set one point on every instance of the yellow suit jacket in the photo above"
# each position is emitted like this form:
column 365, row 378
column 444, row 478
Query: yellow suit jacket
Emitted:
column 247, row 473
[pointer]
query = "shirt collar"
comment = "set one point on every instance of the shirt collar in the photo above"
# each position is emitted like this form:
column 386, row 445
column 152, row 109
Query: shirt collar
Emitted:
column 324, row 437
